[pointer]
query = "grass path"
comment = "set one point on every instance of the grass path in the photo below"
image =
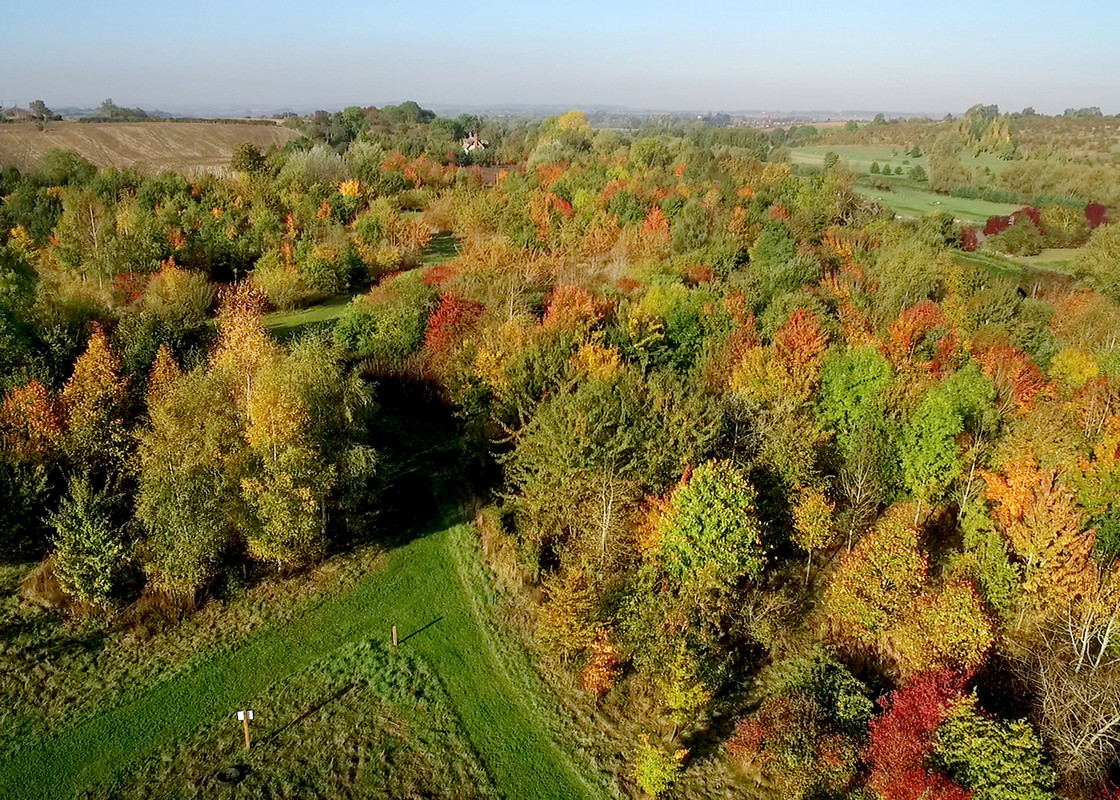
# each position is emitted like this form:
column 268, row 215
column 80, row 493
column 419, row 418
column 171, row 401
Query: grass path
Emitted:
column 431, row 589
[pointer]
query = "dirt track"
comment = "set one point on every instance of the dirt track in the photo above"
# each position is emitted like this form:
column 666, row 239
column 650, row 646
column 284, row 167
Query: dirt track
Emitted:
column 149, row 147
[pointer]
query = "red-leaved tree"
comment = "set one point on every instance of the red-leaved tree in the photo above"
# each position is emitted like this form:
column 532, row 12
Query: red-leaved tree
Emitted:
column 902, row 738
column 452, row 318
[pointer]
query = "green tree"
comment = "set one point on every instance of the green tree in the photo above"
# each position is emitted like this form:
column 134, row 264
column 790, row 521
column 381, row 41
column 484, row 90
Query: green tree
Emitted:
column 996, row 760
column 191, row 460
column 1099, row 260
column 710, row 533
column 929, row 451
column 39, row 110
column 89, row 549
column 247, row 157
column 875, row 168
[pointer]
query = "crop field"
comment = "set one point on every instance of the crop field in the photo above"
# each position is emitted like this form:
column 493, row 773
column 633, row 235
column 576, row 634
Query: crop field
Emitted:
column 149, row 147
column 458, row 711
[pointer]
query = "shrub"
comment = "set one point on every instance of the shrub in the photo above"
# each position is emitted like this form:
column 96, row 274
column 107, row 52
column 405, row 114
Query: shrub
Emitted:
column 996, row 760
column 655, row 769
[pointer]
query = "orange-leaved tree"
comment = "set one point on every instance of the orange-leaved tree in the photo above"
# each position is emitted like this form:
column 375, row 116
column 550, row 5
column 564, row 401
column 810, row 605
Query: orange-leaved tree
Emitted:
column 1044, row 527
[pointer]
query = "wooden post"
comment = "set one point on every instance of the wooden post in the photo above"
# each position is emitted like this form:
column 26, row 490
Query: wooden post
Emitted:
column 245, row 716
column 394, row 636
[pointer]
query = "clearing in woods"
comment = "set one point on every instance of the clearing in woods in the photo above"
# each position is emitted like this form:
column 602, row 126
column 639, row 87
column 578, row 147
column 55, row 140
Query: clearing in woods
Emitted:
column 905, row 197
column 435, row 590
column 148, row 147
column 286, row 325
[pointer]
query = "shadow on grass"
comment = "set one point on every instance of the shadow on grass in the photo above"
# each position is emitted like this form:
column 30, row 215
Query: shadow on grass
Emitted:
column 315, row 708
column 420, row 630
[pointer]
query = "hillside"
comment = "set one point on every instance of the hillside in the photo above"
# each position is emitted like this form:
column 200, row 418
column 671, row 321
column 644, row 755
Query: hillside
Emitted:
column 149, row 147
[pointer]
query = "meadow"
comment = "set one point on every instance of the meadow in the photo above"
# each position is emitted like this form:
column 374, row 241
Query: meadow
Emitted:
column 906, row 198
column 461, row 710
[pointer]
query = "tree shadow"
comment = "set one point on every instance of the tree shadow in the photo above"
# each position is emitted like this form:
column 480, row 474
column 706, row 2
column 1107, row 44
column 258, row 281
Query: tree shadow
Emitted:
column 419, row 630
column 318, row 706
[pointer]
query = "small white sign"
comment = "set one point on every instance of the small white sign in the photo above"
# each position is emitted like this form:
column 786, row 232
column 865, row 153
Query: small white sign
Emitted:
column 241, row 715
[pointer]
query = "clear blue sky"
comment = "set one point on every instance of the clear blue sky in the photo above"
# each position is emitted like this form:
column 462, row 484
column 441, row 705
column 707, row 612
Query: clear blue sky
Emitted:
column 808, row 54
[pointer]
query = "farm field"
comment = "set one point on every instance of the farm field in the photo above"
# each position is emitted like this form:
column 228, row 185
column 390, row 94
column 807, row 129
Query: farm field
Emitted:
column 451, row 667
column 149, row 147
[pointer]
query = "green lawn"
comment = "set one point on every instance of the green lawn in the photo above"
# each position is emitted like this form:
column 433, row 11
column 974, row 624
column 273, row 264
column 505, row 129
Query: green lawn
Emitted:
column 434, row 589
column 859, row 157
column 286, row 324
column 1059, row 259
column 905, row 198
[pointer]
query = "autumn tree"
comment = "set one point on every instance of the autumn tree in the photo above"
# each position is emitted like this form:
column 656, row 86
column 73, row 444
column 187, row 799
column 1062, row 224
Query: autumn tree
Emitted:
column 903, row 737
column 93, row 407
column 877, row 581
column 1045, row 530
column 191, row 459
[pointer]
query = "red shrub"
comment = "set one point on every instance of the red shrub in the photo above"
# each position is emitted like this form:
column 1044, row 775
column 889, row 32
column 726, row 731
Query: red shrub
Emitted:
column 901, row 738
column 452, row 318
column 996, row 225
column 970, row 240
column 1096, row 214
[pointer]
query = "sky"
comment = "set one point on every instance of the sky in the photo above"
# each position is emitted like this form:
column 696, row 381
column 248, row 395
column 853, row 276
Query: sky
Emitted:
column 702, row 55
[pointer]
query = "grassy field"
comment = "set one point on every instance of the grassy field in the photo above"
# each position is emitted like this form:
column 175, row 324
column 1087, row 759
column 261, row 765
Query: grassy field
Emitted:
column 908, row 200
column 905, row 198
column 433, row 589
column 149, row 147
column 1058, row 259
column 285, row 325
column 859, row 158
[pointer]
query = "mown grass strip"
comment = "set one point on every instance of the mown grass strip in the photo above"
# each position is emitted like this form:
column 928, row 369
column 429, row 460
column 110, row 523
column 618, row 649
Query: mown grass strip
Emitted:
column 439, row 616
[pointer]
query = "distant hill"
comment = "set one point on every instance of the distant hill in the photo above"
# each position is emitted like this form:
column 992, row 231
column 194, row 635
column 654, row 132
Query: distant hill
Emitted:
column 149, row 147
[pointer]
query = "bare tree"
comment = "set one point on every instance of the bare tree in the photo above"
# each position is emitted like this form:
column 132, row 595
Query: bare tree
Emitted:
column 1073, row 669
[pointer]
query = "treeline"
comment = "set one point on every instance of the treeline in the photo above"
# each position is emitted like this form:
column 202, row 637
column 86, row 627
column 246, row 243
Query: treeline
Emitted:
column 801, row 502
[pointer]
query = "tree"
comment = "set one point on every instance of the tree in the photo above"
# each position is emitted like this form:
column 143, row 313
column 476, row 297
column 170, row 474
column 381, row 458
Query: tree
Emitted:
column 877, row 581
column 875, row 168
column 88, row 548
column 710, row 533
column 247, row 157
column 904, row 735
column 191, row 459
column 93, row 404
column 995, row 760
column 1044, row 528
column 1099, row 260
column 84, row 235
column 39, row 110
column 929, row 452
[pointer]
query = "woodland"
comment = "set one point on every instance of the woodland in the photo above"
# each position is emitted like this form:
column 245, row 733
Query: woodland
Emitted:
column 785, row 495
